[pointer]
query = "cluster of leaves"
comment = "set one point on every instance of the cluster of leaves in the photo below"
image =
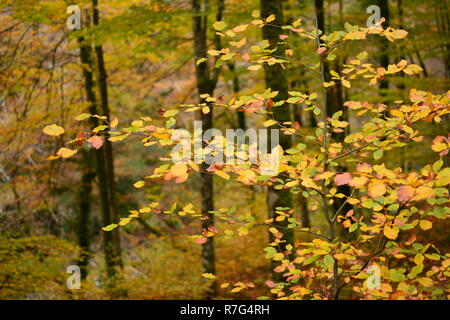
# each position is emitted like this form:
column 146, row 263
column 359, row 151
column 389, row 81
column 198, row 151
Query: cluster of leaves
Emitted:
column 386, row 202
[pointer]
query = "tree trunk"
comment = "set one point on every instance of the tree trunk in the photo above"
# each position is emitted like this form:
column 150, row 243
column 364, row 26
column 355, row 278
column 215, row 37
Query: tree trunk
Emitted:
column 277, row 79
column 103, row 84
column 84, row 199
column 206, row 84
column 384, row 46
column 236, row 90
column 100, row 159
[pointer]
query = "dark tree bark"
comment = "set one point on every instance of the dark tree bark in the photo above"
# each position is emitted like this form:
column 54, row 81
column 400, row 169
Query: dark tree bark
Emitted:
column 112, row 189
column 277, row 79
column 334, row 103
column 84, row 211
column 206, row 83
column 236, row 90
column 384, row 46
column 100, row 159
column 401, row 85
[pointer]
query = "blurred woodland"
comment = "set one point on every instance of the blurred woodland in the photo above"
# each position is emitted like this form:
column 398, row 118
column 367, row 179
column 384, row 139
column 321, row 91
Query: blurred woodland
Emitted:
column 86, row 177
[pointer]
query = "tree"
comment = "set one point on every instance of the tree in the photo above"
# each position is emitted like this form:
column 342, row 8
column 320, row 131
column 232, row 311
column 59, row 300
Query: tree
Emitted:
column 277, row 81
column 206, row 84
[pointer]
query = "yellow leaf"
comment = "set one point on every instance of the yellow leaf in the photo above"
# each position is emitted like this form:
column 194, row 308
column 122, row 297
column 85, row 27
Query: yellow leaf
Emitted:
column 66, row 153
column 390, row 232
column 426, row 282
column 124, row 221
column 423, row 192
column 255, row 67
column 222, row 174
column 377, row 189
column 346, row 83
column 269, row 123
column 270, row 18
column 290, row 184
column 425, row 224
column 139, row 184
column 178, row 169
column 114, row 123
column 53, row 130
column 208, row 275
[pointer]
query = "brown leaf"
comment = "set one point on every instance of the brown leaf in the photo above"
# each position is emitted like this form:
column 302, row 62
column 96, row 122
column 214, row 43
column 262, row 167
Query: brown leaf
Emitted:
column 96, row 141
column 405, row 193
column 342, row 178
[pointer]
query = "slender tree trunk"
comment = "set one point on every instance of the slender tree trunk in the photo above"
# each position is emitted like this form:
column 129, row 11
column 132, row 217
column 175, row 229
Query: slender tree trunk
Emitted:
column 334, row 103
column 401, row 48
column 277, row 79
column 103, row 84
column 384, row 46
column 84, row 200
column 236, row 90
column 206, row 84
column 100, row 159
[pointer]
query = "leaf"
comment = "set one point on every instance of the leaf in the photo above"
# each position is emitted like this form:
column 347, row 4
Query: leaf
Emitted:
column 219, row 25
column 96, row 141
column 201, row 60
column 342, row 178
column 114, row 123
column 53, row 130
column 328, row 261
column 425, row 224
column 270, row 18
column 83, row 116
column 346, row 83
column 355, row 35
column 201, row 240
column 170, row 113
column 99, row 128
column 293, row 183
column 222, row 174
column 358, row 181
column 353, row 227
column 278, row 257
column 178, row 169
column 390, row 232
column 412, row 69
column 426, row 282
column 255, row 67
column 423, row 192
column 378, row 154
column 139, row 184
column 110, row 227
column 405, row 193
column 208, row 276
column 118, row 138
column 438, row 165
column 66, row 153
column 269, row 123
column 376, row 190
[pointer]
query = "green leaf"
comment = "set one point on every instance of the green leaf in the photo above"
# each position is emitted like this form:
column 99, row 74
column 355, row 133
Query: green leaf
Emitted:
column 110, row 227
column 378, row 154
column 328, row 260
column 438, row 165
column 353, row 227
column 219, row 25
column 170, row 123
column 83, row 116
